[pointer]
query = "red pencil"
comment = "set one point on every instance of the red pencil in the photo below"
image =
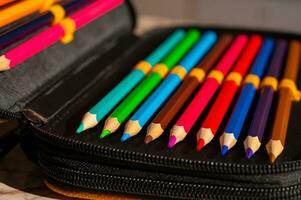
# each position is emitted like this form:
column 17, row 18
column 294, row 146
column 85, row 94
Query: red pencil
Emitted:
column 206, row 92
column 227, row 93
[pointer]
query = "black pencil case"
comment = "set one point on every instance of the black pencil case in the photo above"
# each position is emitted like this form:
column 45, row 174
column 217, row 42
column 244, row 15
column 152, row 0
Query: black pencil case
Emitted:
column 49, row 93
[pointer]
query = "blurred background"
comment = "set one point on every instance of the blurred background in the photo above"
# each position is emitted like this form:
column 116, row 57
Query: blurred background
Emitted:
column 263, row 14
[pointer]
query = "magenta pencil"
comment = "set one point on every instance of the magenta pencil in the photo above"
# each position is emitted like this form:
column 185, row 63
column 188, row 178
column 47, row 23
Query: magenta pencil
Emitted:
column 206, row 92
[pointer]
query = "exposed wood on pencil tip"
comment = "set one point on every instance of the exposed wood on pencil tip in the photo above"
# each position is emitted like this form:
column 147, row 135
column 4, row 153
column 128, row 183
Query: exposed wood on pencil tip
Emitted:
column 178, row 130
column 4, row 63
column 177, row 134
column 111, row 124
column 274, row 147
column 228, row 140
column 154, row 130
column 132, row 127
column 89, row 121
column 205, row 135
column 252, row 143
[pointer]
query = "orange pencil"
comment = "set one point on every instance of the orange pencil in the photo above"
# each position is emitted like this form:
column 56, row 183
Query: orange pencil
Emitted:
column 287, row 92
column 22, row 9
column 4, row 2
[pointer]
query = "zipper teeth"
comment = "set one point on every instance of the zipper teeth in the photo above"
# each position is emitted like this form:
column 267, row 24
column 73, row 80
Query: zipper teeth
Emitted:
column 177, row 163
column 169, row 189
column 4, row 114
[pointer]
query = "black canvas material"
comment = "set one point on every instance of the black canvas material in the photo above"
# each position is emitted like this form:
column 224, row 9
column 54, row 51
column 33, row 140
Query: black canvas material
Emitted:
column 86, row 163
column 147, row 166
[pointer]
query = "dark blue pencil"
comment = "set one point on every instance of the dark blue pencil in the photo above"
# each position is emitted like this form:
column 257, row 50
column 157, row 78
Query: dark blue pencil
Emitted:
column 263, row 106
column 243, row 105
column 45, row 19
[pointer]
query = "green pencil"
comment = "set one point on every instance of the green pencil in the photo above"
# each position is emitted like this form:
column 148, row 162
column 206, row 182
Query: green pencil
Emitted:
column 134, row 99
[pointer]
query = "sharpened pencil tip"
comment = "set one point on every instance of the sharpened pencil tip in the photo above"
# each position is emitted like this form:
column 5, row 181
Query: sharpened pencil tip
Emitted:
column 225, row 150
column 200, row 145
column 272, row 158
column 148, row 139
column 4, row 63
column 249, row 153
column 80, row 128
column 104, row 133
column 172, row 141
column 125, row 136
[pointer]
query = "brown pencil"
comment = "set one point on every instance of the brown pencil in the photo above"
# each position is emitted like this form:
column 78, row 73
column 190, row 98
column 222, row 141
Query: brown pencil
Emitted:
column 161, row 121
column 287, row 93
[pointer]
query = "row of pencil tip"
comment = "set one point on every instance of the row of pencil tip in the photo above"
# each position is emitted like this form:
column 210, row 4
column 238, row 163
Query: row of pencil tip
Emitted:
column 190, row 64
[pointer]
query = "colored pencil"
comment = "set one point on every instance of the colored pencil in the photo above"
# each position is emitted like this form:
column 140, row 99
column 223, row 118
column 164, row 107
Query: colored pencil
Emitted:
column 4, row 2
column 61, row 31
column 244, row 102
column 171, row 82
column 287, row 93
column 263, row 106
column 108, row 102
column 45, row 19
column 21, row 9
column 190, row 84
column 226, row 95
column 134, row 99
column 227, row 92
column 206, row 92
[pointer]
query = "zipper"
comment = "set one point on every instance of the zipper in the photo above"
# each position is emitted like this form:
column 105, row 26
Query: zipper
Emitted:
column 170, row 189
column 105, row 152
column 7, row 115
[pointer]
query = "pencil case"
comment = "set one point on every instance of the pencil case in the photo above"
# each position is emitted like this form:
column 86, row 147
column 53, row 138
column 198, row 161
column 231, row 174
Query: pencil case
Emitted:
column 49, row 93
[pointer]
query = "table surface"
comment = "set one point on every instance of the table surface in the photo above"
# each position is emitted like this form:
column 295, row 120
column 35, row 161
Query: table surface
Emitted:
column 21, row 179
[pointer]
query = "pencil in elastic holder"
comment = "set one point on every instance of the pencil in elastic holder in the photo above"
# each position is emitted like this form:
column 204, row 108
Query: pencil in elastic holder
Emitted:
column 198, row 73
column 269, row 81
column 235, row 77
column 217, row 75
column 252, row 79
column 47, row 5
column 58, row 13
column 291, row 85
column 69, row 28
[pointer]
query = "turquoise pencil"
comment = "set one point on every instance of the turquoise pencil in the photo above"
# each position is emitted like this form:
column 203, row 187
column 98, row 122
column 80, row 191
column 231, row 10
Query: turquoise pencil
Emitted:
column 108, row 102
column 161, row 94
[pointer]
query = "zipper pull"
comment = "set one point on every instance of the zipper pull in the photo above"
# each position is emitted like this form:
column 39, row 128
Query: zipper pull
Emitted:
column 34, row 118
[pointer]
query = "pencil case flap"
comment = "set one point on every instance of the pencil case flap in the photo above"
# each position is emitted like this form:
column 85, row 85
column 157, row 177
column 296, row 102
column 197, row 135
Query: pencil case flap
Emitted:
column 40, row 73
column 206, row 171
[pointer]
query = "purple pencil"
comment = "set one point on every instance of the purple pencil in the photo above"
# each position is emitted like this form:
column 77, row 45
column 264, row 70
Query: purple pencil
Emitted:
column 268, row 86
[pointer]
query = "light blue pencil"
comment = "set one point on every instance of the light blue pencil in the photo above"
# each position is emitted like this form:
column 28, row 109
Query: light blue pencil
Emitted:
column 165, row 89
column 108, row 102
column 245, row 100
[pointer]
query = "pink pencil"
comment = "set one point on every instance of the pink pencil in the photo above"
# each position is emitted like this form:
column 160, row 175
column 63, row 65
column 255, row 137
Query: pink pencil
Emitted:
column 206, row 92
column 62, row 31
